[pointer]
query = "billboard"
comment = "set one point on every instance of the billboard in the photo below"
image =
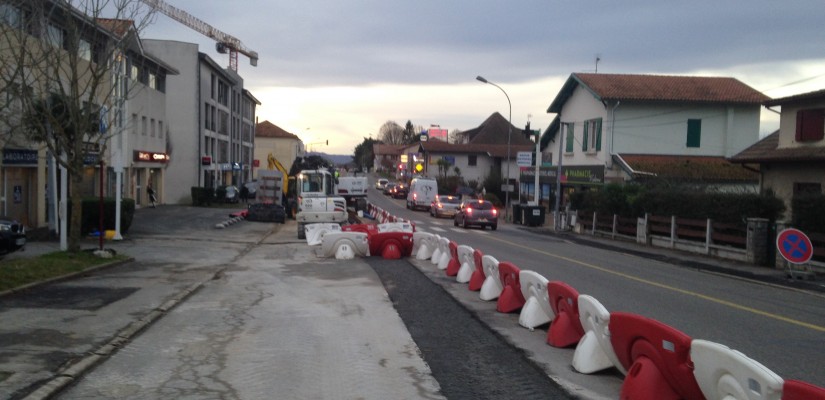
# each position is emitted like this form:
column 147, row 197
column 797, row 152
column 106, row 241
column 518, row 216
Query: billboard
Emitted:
column 435, row 132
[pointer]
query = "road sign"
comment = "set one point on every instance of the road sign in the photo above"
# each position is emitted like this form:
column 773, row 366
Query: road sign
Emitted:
column 524, row 158
column 795, row 246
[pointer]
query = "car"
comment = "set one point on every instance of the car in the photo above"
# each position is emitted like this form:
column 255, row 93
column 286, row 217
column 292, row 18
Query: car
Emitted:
column 400, row 191
column 444, row 206
column 12, row 235
column 476, row 212
column 381, row 183
column 388, row 188
column 422, row 193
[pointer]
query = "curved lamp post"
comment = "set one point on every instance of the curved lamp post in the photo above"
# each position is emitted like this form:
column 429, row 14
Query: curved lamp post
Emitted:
column 509, row 133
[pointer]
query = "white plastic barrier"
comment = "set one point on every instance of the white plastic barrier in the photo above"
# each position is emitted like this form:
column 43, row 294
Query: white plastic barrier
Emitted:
column 395, row 227
column 465, row 257
column 315, row 232
column 446, row 254
column 345, row 245
column 423, row 245
column 724, row 373
column 436, row 257
column 492, row 287
column 594, row 351
column 536, row 310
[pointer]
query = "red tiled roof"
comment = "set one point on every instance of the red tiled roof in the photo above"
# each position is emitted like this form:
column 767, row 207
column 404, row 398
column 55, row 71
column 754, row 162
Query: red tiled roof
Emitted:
column 766, row 150
column 670, row 88
column 119, row 27
column 689, row 168
column 267, row 129
column 388, row 149
column 495, row 130
column 809, row 96
column 494, row 150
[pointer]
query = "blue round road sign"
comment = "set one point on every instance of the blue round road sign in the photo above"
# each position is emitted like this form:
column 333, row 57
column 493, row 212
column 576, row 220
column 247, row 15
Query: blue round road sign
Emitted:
column 795, row 246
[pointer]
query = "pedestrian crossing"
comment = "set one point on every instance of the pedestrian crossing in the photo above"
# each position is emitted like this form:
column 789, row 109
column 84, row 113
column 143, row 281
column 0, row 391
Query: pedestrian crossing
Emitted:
column 442, row 227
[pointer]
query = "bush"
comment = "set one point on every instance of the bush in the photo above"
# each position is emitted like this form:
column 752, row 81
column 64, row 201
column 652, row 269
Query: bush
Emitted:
column 90, row 219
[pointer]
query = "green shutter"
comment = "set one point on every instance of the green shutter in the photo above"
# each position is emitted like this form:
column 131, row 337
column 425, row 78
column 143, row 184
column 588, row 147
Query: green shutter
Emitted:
column 584, row 137
column 570, row 138
column 598, row 134
column 694, row 132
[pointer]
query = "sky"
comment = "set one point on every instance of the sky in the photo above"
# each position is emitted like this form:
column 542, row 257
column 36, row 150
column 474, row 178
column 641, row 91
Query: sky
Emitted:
column 336, row 70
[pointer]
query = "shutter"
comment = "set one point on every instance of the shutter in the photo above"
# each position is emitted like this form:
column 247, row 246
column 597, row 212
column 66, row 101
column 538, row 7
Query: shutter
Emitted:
column 810, row 125
column 598, row 134
column 569, row 147
column 584, row 136
column 694, row 132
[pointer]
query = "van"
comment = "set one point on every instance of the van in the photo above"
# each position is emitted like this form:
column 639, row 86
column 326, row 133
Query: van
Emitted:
column 422, row 193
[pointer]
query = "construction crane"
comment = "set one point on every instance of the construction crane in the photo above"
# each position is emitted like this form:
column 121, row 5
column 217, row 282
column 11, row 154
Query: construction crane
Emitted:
column 225, row 43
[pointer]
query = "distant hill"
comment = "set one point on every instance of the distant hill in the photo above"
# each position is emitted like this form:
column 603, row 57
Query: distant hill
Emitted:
column 337, row 159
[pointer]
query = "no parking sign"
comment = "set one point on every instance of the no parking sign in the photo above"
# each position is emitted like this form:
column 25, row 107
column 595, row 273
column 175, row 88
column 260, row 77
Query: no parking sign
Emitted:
column 795, row 246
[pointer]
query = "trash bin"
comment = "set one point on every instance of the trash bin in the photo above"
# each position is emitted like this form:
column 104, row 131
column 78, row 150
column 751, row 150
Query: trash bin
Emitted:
column 516, row 216
column 532, row 215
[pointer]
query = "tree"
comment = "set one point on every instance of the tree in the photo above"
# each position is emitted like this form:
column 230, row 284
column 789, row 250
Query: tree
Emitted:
column 458, row 137
column 411, row 135
column 61, row 66
column 391, row 133
column 363, row 155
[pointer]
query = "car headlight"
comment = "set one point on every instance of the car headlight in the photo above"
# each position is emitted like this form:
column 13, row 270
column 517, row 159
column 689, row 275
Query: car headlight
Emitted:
column 5, row 227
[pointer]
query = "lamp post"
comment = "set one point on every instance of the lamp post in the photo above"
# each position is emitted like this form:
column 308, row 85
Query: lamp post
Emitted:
column 509, row 134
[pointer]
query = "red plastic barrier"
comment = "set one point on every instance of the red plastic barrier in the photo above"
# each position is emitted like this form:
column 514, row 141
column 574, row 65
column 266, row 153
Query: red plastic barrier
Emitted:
column 455, row 264
column 391, row 245
column 566, row 328
column 799, row 390
column 369, row 229
column 242, row 213
column 510, row 298
column 656, row 356
column 477, row 279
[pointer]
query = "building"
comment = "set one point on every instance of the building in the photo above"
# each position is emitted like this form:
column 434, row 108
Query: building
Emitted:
column 270, row 139
column 211, row 130
column 791, row 161
column 675, row 129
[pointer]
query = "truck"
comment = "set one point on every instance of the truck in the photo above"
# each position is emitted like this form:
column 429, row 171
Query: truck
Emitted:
column 354, row 190
column 317, row 200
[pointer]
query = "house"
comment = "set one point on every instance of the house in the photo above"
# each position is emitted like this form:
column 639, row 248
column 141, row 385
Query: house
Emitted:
column 270, row 139
column 212, row 121
column 677, row 129
column 791, row 161
column 387, row 156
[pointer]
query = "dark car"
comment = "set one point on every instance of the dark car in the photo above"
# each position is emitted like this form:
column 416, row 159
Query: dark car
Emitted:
column 12, row 235
column 477, row 212
column 388, row 188
column 444, row 206
column 400, row 191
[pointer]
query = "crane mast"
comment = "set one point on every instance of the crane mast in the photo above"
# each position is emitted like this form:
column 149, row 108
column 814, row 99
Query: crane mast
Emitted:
column 224, row 41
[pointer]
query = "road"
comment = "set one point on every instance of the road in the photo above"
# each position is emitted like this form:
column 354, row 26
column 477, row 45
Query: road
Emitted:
column 782, row 328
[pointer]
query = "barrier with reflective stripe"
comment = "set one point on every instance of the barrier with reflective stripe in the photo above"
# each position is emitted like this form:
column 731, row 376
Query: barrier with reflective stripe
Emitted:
column 315, row 232
column 566, row 328
column 510, row 299
column 423, row 245
column 491, row 288
column 446, row 256
column 465, row 257
column 537, row 310
column 436, row 257
column 594, row 351
column 724, row 373
column 344, row 245
column 453, row 264
column 477, row 279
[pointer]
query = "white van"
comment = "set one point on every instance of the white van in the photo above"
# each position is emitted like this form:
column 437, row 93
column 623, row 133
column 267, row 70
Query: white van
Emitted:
column 422, row 193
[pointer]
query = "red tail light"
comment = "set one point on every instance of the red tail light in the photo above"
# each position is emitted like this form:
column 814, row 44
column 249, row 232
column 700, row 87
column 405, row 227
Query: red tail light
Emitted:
column 439, row 205
column 495, row 212
column 469, row 211
column 415, row 196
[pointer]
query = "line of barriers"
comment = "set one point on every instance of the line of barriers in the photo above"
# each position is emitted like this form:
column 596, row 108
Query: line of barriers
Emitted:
column 658, row 361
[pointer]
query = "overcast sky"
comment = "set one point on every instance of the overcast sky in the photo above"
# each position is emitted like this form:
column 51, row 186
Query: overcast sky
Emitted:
column 338, row 69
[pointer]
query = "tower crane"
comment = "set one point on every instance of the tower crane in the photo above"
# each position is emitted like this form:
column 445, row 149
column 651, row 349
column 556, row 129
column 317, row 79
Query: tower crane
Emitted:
column 225, row 43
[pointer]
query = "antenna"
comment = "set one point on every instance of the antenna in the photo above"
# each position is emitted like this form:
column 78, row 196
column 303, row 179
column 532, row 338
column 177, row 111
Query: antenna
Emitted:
column 598, row 58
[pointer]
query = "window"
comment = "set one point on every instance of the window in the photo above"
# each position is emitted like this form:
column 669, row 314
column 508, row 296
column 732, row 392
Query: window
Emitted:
column 212, row 87
column 568, row 148
column 84, row 50
column 11, row 16
column 223, row 93
column 694, row 132
column 153, row 82
column 134, row 72
column 592, row 139
column 54, row 35
column 472, row 160
column 134, row 124
column 152, row 128
column 160, row 129
column 143, row 126
column 810, row 125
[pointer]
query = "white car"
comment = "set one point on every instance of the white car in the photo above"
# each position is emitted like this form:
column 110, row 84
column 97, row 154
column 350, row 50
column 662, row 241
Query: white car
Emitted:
column 381, row 183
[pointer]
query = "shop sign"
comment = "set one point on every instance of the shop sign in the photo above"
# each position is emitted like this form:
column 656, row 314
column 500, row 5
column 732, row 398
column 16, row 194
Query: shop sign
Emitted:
column 583, row 174
column 148, row 156
column 225, row 166
column 206, row 160
column 19, row 157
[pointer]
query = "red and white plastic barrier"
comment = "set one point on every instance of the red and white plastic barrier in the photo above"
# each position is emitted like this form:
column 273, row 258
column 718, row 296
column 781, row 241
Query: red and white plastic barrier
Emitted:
column 723, row 373
column 594, row 352
column 537, row 310
column 454, row 264
column 436, row 257
column 465, row 257
column 446, row 255
column 799, row 390
column 566, row 328
column 391, row 245
column 344, row 245
column 314, row 233
column 423, row 245
column 396, row 226
column 477, row 278
column 491, row 288
column 510, row 299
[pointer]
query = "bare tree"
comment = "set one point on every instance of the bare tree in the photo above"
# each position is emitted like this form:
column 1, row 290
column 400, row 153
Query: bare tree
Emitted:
column 391, row 133
column 458, row 137
column 62, row 67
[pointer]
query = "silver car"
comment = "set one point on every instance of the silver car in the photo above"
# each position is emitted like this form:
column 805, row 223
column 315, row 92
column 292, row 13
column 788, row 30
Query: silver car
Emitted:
column 444, row 206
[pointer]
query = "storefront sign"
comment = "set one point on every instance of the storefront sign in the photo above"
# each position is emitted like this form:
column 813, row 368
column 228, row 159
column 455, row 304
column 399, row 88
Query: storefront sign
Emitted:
column 574, row 175
column 19, row 157
column 207, row 160
column 148, row 156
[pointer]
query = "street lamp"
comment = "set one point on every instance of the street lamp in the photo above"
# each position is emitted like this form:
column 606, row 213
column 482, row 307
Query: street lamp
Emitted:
column 509, row 133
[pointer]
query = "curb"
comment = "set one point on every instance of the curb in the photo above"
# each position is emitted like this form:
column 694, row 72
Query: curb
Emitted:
column 60, row 278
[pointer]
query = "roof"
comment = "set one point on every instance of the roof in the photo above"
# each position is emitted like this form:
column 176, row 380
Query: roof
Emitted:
column 494, row 130
column 388, row 149
column 659, row 88
column 493, row 150
column 267, row 129
column 766, row 150
column 817, row 95
column 686, row 168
